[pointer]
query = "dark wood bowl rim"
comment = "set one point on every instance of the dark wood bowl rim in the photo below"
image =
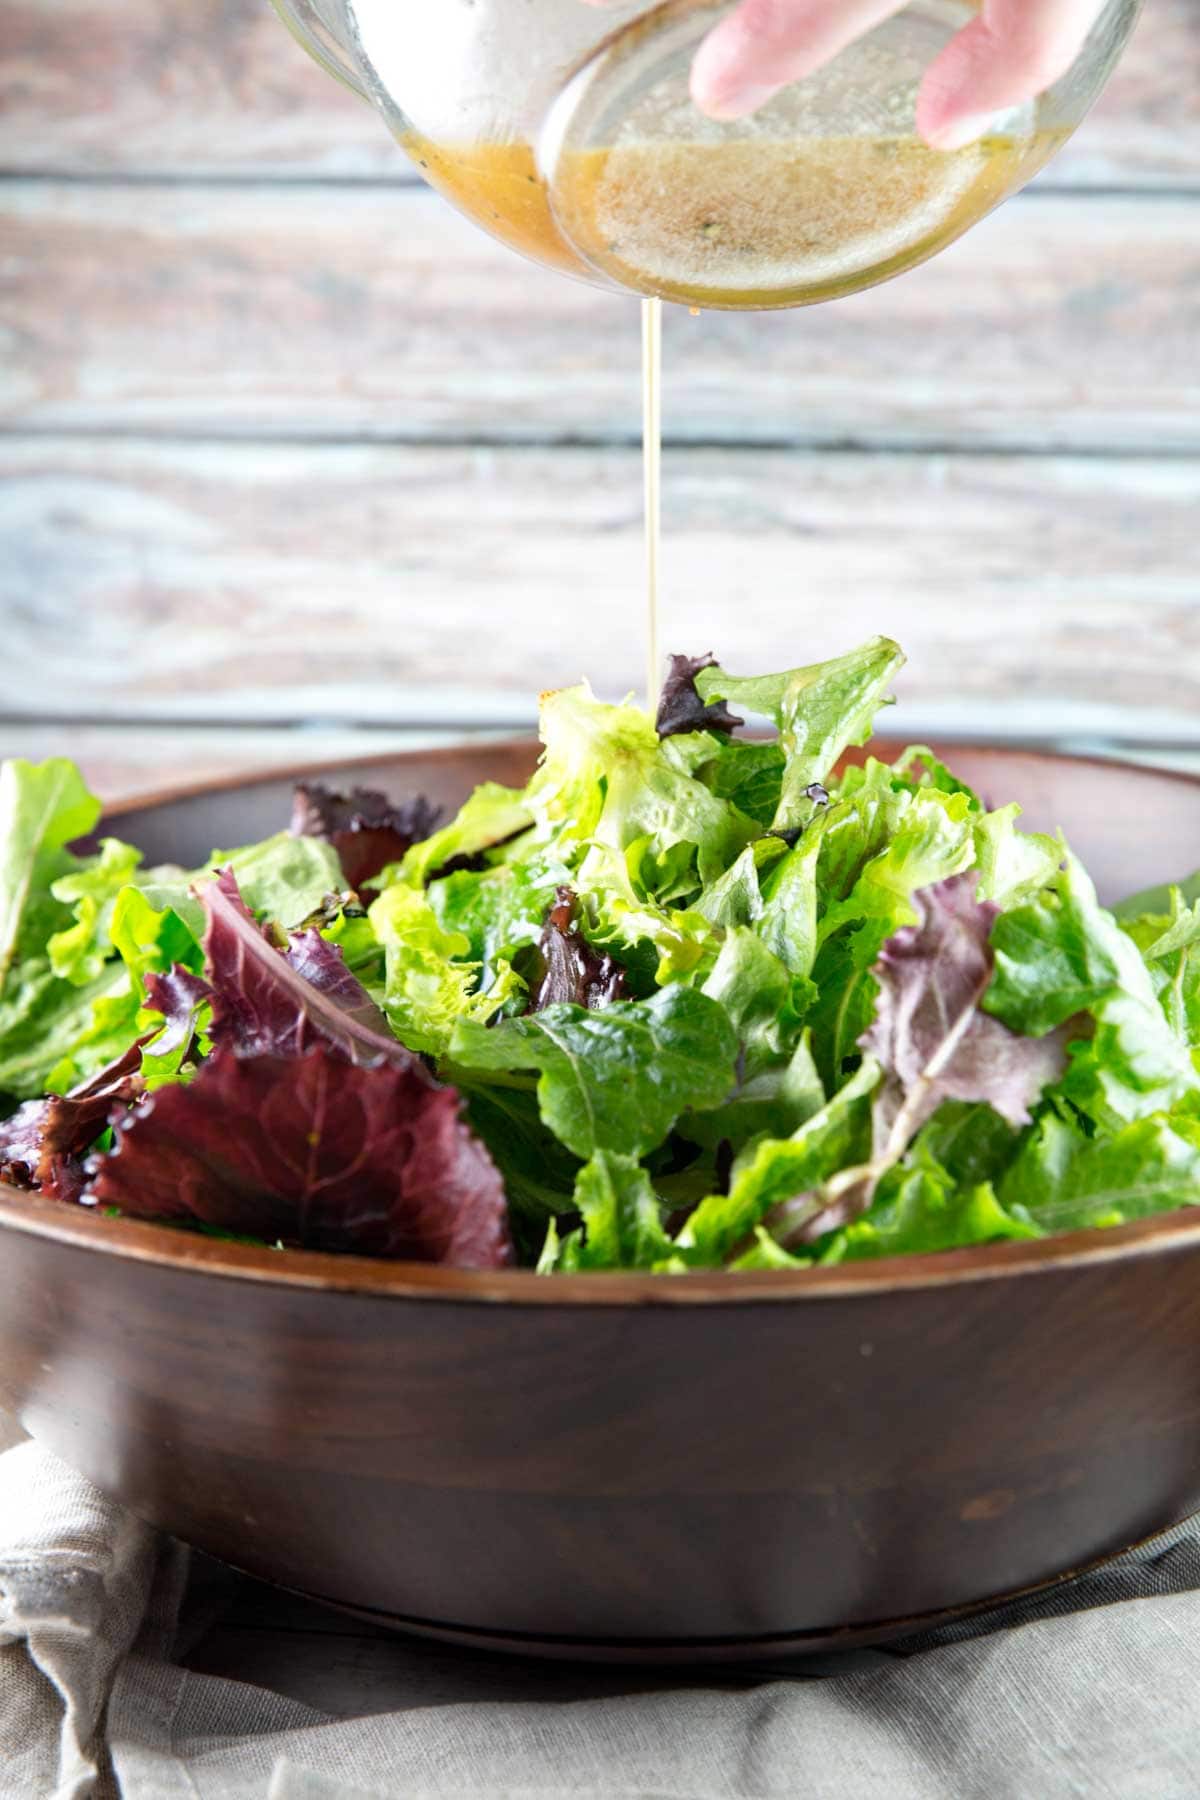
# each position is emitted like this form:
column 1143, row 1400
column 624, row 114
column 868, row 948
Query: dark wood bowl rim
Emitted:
column 168, row 1247
column 887, row 748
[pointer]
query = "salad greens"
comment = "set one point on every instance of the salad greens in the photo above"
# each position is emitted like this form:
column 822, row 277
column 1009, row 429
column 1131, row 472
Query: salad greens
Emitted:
column 688, row 1000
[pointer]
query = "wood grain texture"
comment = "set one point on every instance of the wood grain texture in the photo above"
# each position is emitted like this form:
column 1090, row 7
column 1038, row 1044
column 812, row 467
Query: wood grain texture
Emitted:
column 390, row 585
column 216, row 86
column 1059, row 323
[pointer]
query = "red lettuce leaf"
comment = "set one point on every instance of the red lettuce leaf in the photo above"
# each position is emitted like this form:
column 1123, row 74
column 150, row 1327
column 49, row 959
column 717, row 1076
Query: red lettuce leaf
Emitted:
column 21, row 1144
column 178, row 996
column 363, row 826
column 271, row 1002
column 680, row 707
column 933, row 1043
column 44, row 1144
column 574, row 973
column 314, row 1151
column 928, row 1033
column 308, row 1123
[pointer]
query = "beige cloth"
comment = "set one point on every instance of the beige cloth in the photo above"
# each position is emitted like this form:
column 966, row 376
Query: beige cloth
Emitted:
column 1096, row 1705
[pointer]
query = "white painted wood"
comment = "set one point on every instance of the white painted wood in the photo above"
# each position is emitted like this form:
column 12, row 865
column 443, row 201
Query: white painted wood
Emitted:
column 216, row 86
column 1060, row 323
column 438, row 587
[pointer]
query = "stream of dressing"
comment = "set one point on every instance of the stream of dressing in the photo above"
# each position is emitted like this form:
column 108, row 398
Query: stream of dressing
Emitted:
column 652, row 470
column 747, row 223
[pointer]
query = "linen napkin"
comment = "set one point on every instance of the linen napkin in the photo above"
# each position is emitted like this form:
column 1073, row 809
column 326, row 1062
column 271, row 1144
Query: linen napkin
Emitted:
column 1090, row 1690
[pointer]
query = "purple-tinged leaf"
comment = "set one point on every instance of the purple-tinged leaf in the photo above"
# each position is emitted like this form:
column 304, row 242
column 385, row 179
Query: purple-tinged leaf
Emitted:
column 929, row 1034
column 574, row 973
column 475, row 861
column 680, row 708
column 363, row 826
column 44, row 1143
column 313, row 1151
column 178, row 996
column 933, row 1043
column 21, row 1144
column 322, row 965
column 270, row 1002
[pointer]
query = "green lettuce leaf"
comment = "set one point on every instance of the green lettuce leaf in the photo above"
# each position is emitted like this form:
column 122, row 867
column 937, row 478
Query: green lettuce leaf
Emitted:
column 778, row 1088
column 150, row 942
column 1062, row 955
column 748, row 774
column 787, row 918
column 1170, row 947
column 54, row 1035
column 736, row 897
column 51, row 1035
column 969, row 1142
column 857, row 866
column 920, row 767
column 1013, row 865
column 932, row 840
column 492, row 816
column 755, row 989
column 771, row 1171
column 765, row 1253
column 1157, row 900
column 865, row 813
column 622, row 1224
column 499, row 911
column 607, row 779
column 79, row 952
column 430, row 981
column 844, row 1006
column 43, row 808
column 1065, row 1181
column 879, row 843
column 614, row 1080
column 921, row 1210
column 625, row 921
column 539, row 1172
column 819, row 711
column 74, row 1000
column 285, row 879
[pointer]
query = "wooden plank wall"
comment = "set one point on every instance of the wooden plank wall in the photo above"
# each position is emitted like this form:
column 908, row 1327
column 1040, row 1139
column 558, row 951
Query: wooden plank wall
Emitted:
column 291, row 457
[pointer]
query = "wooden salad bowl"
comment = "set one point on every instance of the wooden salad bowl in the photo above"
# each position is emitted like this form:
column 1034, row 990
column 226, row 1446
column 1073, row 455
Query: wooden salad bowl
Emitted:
column 627, row 1466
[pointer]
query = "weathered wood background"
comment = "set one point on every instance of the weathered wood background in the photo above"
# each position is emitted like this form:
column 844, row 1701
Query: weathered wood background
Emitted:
column 293, row 461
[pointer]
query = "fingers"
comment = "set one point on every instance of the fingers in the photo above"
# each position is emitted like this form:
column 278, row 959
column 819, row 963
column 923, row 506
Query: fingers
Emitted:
column 765, row 44
column 1014, row 51
column 1011, row 53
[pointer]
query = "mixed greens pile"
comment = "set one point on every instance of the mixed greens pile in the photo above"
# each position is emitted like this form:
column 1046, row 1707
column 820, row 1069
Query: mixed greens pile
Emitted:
column 688, row 1000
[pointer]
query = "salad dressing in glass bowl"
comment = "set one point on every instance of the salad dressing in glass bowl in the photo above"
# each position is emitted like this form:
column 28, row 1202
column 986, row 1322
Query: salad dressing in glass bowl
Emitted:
column 736, row 223
column 569, row 133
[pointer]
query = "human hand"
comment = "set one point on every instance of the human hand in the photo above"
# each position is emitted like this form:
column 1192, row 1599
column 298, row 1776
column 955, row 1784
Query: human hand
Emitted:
column 1013, row 51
